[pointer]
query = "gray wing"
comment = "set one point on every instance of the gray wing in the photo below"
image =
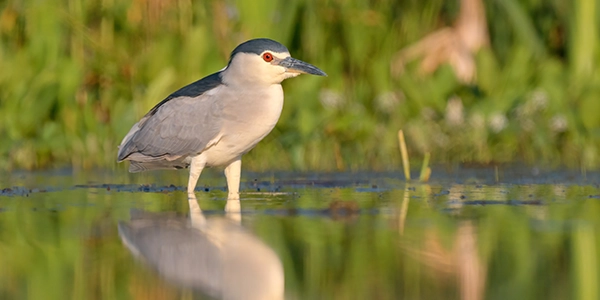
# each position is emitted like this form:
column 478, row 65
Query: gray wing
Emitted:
column 183, row 124
column 177, row 129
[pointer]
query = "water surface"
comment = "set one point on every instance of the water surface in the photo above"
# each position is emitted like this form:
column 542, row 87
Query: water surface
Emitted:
column 467, row 234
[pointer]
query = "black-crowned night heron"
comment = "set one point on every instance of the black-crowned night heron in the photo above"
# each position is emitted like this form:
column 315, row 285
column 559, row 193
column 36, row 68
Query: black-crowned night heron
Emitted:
column 214, row 255
column 217, row 119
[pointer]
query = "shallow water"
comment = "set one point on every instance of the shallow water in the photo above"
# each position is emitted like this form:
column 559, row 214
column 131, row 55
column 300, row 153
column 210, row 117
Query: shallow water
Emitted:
column 467, row 234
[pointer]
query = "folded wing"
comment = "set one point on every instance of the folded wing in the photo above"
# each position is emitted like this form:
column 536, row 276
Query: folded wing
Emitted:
column 182, row 125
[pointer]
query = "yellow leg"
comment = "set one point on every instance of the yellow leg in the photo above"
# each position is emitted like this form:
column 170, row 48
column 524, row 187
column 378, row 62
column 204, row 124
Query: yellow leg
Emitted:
column 196, row 167
column 232, row 172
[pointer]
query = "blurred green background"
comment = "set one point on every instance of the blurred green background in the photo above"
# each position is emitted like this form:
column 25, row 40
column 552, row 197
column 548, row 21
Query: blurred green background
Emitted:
column 76, row 75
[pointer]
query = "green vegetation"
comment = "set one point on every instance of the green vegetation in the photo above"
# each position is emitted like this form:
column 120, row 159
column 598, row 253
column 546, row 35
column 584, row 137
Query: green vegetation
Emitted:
column 77, row 74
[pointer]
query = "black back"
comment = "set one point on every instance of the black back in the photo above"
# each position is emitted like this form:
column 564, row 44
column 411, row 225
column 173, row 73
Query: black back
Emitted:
column 193, row 89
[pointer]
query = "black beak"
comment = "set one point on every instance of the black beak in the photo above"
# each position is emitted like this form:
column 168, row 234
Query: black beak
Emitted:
column 297, row 66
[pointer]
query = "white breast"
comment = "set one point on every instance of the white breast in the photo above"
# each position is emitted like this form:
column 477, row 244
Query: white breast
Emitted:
column 248, row 117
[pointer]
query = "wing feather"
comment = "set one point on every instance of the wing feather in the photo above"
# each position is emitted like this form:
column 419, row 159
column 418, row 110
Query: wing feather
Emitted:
column 181, row 127
column 182, row 124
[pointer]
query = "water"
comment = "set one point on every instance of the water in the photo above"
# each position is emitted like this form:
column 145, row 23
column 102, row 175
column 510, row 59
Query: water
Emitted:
column 464, row 235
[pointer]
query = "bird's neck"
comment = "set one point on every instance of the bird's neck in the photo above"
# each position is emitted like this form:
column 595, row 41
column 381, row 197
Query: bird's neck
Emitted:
column 264, row 105
column 242, row 77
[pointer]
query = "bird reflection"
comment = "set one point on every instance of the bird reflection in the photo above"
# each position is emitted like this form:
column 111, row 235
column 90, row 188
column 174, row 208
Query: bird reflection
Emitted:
column 214, row 255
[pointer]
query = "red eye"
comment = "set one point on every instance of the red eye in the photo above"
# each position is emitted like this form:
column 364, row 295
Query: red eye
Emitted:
column 268, row 57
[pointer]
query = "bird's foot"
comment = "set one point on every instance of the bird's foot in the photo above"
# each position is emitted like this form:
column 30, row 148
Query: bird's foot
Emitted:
column 233, row 196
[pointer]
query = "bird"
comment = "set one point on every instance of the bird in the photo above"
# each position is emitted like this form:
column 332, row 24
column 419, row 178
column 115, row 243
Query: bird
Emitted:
column 215, row 255
column 214, row 121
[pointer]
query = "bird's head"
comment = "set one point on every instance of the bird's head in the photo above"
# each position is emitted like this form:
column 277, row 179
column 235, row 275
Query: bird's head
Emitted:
column 264, row 61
